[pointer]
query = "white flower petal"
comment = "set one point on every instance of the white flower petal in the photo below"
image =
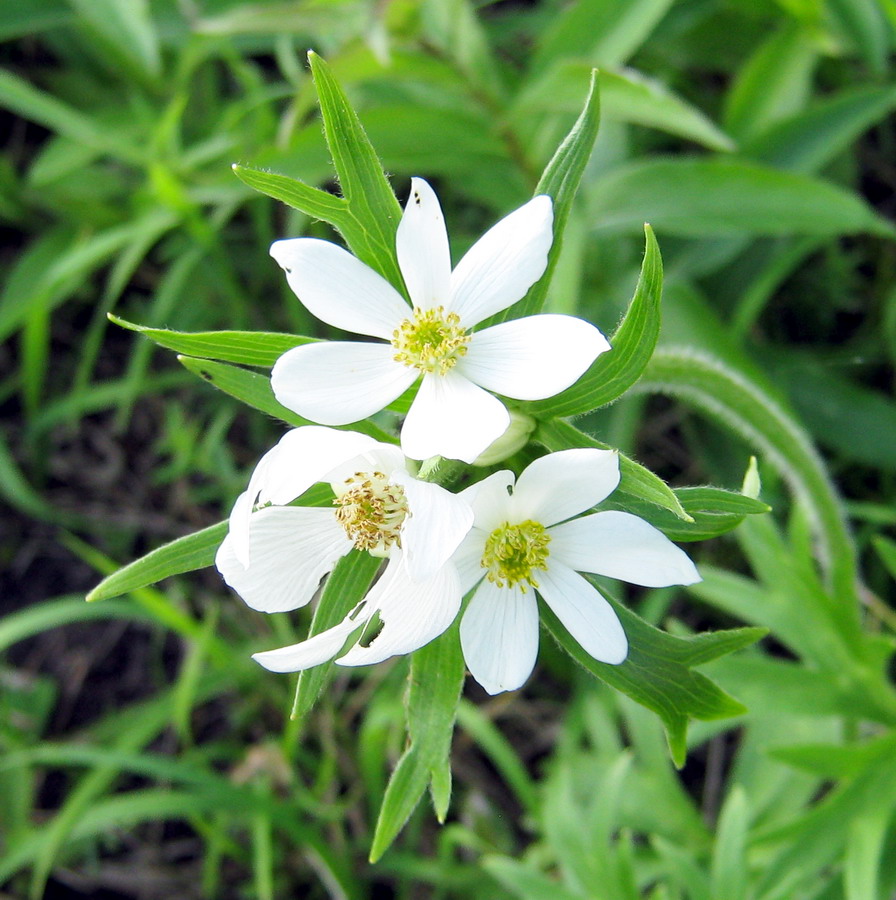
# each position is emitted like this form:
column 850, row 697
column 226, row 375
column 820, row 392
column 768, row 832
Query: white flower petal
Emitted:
column 338, row 288
column 504, row 263
column 301, row 458
column 438, row 522
column 468, row 560
column 317, row 649
column 490, row 499
column 563, row 484
column 413, row 612
column 532, row 358
column 620, row 545
column 422, row 247
column 585, row 614
column 238, row 529
column 452, row 417
column 499, row 636
column 292, row 549
column 385, row 458
column 338, row 382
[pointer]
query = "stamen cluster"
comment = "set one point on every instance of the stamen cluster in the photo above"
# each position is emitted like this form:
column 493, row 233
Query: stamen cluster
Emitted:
column 372, row 511
column 513, row 553
column 431, row 340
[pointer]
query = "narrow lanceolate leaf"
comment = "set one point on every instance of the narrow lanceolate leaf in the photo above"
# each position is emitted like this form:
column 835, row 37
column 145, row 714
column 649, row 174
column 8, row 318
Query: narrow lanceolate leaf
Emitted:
column 626, row 95
column 311, row 200
column 194, row 551
column 255, row 390
column 636, row 480
column 809, row 140
column 739, row 404
column 658, row 672
column 369, row 197
column 560, row 181
column 615, row 371
column 250, row 387
column 720, row 197
column 346, row 586
column 714, row 511
column 251, row 348
column 436, row 679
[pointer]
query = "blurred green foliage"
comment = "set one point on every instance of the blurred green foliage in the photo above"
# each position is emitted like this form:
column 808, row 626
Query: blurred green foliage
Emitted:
column 756, row 136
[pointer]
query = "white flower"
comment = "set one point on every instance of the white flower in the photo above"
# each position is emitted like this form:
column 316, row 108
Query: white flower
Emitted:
column 453, row 414
column 529, row 539
column 275, row 554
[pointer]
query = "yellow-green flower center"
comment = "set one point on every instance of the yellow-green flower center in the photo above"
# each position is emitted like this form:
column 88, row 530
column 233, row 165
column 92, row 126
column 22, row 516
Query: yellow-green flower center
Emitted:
column 513, row 553
column 372, row 511
column 431, row 340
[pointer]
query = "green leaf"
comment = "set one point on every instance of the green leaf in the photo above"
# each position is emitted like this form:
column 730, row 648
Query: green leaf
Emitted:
column 25, row 623
column 809, row 140
column 194, row 551
column 457, row 30
column 560, row 181
column 251, row 348
column 657, row 672
column 848, row 408
column 604, row 32
column 817, row 838
column 313, row 201
column 255, row 390
column 31, row 20
column 369, row 197
column 714, row 511
column 729, row 860
column 59, row 263
column 345, row 587
column 626, row 95
column 635, row 480
column 773, row 84
column 718, row 197
column 435, row 682
column 20, row 97
column 863, row 22
column 525, row 882
column 886, row 550
column 125, row 31
column 633, row 342
column 739, row 404
column 251, row 388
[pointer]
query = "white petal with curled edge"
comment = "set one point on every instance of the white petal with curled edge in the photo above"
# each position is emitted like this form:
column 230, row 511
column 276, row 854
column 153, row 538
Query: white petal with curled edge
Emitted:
column 504, row 263
column 563, row 484
column 338, row 288
column 315, row 650
column 532, row 358
column 413, row 612
column 238, row 528
column 468, row 560
column 490, row 499
column 422, row 247
column 385, row 458
column 452, row 417
column 305, row 456
column 301, row 458
column 437, row 523
column 292, row 549
column 339, row 382
column 499, row 636
column 585, row 614
column 620, row 545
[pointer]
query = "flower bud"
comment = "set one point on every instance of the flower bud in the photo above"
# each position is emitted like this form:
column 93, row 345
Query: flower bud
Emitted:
column 514, row 438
